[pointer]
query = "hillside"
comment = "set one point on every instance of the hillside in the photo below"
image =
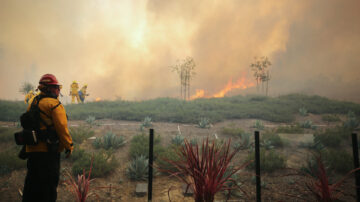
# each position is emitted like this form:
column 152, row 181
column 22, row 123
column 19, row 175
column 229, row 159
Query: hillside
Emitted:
column 276, row 109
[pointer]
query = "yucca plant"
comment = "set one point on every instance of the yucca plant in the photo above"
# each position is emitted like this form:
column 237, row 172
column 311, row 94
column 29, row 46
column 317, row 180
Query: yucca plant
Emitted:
column 178, row 140
column 138, row 168
column 206, row 169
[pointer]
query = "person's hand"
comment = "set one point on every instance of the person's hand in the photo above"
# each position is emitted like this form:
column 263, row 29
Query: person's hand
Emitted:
column 68, row 152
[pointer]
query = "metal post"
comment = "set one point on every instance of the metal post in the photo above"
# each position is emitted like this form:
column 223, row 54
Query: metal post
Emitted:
column 151, row 152
column 257, row 166
column 356, row 164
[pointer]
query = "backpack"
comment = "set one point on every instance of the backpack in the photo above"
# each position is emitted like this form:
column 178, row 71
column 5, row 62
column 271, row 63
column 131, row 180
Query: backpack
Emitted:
column 30, row 121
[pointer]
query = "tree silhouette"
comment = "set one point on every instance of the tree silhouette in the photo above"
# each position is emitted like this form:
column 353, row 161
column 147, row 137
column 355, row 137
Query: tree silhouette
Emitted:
column 261, row 73
column 26, row 87
column 186, row 70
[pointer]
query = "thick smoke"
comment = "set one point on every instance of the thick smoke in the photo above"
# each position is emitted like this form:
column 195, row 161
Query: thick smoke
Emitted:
column 124, row 49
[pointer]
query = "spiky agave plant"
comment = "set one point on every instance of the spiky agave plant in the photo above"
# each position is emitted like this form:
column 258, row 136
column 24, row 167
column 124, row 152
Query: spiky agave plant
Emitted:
column 206, row 169
column 138, row 168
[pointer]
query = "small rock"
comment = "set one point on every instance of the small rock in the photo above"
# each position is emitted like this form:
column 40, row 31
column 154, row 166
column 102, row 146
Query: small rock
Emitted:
column 92, row 138
column 141, row 189
column 188, row 192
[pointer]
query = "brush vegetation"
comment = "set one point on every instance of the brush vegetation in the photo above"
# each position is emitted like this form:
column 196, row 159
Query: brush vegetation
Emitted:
column 277, row 109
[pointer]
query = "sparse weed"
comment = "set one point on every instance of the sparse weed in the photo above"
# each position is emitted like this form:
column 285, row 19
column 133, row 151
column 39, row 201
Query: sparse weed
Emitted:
column 330, row 118
column 292, row 129
column 232, row 131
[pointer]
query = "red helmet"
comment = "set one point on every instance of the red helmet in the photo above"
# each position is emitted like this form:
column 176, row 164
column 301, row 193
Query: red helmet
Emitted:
column 49, row 79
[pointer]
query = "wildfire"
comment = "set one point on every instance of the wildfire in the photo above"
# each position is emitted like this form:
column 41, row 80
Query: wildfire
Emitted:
column 241, row 83
column 199, row 94
column 98, row 99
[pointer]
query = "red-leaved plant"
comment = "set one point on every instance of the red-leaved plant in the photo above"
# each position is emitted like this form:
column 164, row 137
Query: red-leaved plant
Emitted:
column 319, row 184
column 80, row 187
column 205, row 169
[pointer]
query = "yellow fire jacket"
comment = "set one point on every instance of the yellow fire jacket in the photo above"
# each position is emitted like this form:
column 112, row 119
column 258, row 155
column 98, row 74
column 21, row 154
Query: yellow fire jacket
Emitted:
column 56, row 116
column 74, row 88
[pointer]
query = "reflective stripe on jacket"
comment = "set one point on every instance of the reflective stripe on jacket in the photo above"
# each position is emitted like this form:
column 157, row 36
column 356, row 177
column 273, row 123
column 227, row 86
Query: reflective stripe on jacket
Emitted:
column 55, row 116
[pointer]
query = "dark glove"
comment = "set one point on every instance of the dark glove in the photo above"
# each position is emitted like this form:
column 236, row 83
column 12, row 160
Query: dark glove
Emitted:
column 68, row 152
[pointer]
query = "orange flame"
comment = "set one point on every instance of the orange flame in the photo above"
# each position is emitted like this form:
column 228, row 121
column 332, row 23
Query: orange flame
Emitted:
column 241, row 83
column 98, row 99
column 199, row 94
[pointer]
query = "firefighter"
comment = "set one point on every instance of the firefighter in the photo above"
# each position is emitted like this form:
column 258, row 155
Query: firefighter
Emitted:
column 29, row 96
column 43, row 162
column 74, row 92
column 82, row 93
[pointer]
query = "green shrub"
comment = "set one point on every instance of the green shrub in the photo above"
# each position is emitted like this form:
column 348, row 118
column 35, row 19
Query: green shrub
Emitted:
column 269, row 160
column 138, row 169
column 177, row 140
column 310, row 167
column 243, row 142
column 169, row 154
column 9, row 161
column 332, row 137
column 139, row 146
column 338, row 160
column 292, row 129
column 81, row 133
column 7, row 134
column 109, row 141
column 230, row 131
column 77, row 154
column 351, row 122
column 259, row 125
column 273, row 139
column 330, row 118
column 303, row 111
column 103, row 164
column 204, row 123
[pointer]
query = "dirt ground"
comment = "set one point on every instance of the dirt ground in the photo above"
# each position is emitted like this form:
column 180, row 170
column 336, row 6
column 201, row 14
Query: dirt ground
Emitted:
column 282, row 185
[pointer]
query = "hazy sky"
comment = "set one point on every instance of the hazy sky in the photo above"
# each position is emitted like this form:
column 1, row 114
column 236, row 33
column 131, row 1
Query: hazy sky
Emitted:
column 124, row 48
